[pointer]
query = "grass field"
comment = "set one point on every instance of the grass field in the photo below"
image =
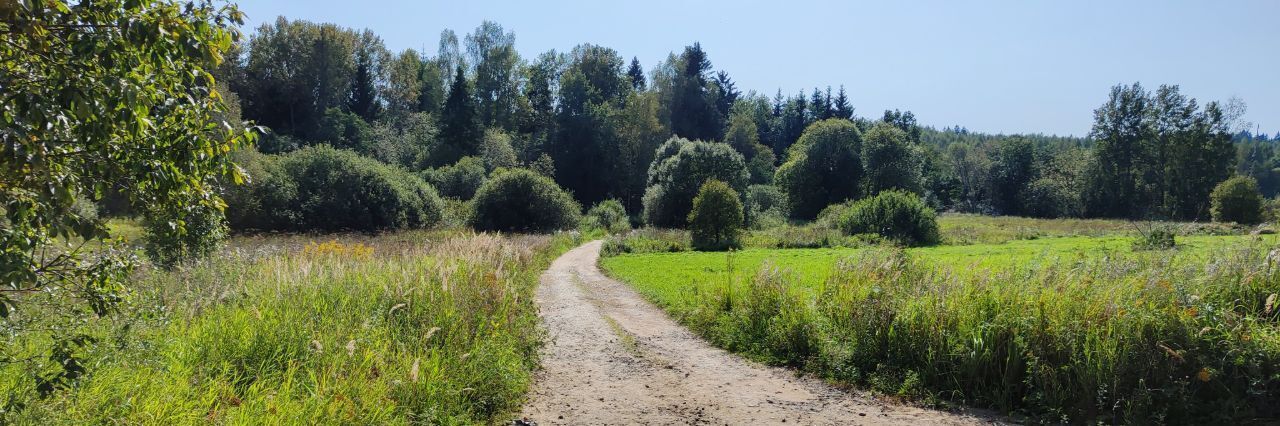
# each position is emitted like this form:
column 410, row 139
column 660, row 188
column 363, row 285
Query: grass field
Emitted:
column 1070, row 328
column 433, row 327
column 665, row 277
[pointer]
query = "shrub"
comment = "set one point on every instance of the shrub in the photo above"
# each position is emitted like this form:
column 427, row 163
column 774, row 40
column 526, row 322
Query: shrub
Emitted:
column 679, row 169
column 822, row 168
column 322, row 188
column 266, row 201
column 459, row 180
column 521, row 200
column 1159, row 237
column 716, row 220
column 896, row 215
column 183, row 233
column 1236, row 200
column 765, row 206
column 610, row 216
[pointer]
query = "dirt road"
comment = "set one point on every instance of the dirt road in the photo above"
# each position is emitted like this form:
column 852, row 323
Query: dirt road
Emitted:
column 614, row 358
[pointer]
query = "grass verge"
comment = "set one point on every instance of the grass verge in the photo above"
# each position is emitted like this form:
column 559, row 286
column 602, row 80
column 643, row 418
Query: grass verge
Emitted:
column 417, row 327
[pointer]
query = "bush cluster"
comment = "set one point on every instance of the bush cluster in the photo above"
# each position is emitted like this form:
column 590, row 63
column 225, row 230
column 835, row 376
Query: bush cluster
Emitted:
column 521, row 200
column 328, row 189
column 609, row 216
column 459, row 180
column 679, row 170
column 1236, row 200
column 896, row 215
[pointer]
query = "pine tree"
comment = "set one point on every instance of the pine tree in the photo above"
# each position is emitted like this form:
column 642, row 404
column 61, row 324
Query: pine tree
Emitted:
column 459, row 126
column 636, row 73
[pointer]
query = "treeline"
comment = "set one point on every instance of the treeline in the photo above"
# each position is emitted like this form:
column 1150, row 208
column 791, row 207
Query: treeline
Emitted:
column 600, row 126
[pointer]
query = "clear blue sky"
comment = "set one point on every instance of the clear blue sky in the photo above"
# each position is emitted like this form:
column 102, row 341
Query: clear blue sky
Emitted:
column 995, row 66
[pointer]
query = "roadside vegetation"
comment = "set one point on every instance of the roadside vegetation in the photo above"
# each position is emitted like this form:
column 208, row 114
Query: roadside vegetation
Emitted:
column 1052, row 329
column 409, row 327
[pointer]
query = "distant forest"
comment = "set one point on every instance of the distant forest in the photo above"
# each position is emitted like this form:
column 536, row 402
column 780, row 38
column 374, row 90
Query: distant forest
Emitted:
column 594, row 121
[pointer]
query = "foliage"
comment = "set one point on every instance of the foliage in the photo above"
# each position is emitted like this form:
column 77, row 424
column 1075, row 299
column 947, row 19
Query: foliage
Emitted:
column 460, row 180
column 406, row 141
column 182, row 234
column 496, row 151
column 1237, row 200
column 344, row 130
column 765, row 206
column 608, row 215
column 1049, row 198
column 715, row 223
column 891, row 161
column 322, row 188
column 897, row 215
column 1012, row 163
column 678, row 171
column 824, row 167
column 1158, row 154
column 100, row 98
column 520, row 200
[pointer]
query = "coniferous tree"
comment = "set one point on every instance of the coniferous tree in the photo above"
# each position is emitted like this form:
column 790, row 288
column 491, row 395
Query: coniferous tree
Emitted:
column 459, row 126
column 842, row 107
column 693, row 115
column 727, row 93
column 370, row 59
column 636, row 73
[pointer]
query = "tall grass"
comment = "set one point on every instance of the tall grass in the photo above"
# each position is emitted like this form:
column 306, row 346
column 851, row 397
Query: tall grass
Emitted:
column 402, row 328
column 1134, row 338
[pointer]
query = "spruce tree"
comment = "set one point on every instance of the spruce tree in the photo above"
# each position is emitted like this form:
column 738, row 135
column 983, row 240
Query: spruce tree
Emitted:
column 459, row 126
column 636, row 73
column 842, row 107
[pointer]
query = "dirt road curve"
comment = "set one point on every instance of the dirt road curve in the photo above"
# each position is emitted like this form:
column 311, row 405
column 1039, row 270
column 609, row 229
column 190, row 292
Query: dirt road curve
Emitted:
column 614, row 358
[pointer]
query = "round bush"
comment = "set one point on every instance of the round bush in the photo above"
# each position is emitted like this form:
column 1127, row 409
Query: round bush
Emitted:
column 716, row 219
column 609, row 215
column 824, row 167
column 680, row 168
column 896, row 215
column 459, row 180
column 327, row 189
column 521, row 200
column 1236, row 200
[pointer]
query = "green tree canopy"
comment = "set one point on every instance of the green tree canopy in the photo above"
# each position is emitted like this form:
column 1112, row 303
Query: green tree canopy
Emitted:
column 823, row 168
column 99, row 97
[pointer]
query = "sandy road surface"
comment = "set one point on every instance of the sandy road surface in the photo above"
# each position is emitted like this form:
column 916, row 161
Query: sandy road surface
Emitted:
column 614, row 358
